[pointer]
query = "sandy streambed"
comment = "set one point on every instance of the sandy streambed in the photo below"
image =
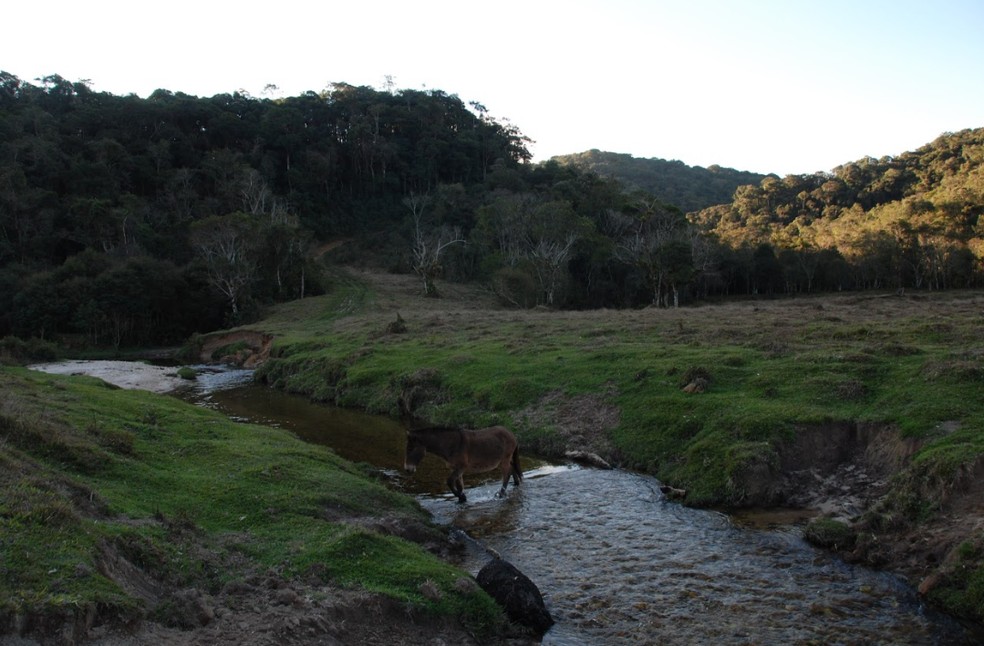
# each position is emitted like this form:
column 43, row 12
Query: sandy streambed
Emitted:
column 125, row 374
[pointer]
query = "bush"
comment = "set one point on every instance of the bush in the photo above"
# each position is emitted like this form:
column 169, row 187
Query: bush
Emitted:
column 16, row 351
column 515, row 287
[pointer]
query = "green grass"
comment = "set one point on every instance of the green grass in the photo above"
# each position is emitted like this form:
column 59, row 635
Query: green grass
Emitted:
column 184, row 494
column 912, row 365
column 962, row 589
column 909, row 364
column 85, row 455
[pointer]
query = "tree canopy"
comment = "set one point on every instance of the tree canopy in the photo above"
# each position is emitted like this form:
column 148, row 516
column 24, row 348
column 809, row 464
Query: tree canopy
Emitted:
column 689, row 188
column 912, row 221
column 136, row 221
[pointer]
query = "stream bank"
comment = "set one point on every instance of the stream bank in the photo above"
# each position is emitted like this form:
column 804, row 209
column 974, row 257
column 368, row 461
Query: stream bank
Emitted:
column 508, row 525
column 618, row 561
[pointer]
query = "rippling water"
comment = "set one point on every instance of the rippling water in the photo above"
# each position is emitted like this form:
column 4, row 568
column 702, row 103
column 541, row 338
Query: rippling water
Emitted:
column 618, row 563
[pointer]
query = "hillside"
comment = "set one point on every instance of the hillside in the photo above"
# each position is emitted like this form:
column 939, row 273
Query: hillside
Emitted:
column 895, row 222
column 134, row 222
column 689, row 188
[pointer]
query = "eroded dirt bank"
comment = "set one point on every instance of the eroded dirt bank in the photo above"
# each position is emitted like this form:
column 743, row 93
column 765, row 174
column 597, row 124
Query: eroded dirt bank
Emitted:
column 857, row 474
column 244, row 348
column 862, row 476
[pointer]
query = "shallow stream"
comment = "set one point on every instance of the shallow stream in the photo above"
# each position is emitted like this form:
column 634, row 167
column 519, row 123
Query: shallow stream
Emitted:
column 616, row 561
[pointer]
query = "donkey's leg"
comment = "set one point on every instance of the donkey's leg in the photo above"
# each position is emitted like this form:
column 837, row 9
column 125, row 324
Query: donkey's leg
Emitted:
column 517, row 473
column 506, row 469
column 457, row 485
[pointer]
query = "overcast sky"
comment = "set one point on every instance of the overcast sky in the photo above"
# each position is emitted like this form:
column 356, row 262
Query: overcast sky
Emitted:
column 783, row 86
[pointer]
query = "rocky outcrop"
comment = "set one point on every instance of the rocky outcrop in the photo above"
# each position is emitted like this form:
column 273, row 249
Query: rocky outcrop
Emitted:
column 517, row 594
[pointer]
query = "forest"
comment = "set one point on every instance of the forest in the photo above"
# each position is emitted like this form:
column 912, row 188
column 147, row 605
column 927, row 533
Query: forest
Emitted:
column 127, row 221
column 689, row 188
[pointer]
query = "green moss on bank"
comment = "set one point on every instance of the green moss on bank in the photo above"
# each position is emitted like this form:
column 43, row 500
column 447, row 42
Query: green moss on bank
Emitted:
column 91, row 475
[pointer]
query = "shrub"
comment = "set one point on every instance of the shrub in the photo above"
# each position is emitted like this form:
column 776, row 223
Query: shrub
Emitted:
column 17, row 351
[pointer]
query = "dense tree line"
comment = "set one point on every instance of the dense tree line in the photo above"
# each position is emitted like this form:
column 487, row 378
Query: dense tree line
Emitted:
column 137, row 221
column 211, row 205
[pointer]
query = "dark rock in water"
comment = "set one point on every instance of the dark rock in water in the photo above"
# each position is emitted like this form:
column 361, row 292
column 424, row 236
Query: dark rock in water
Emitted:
column 673, row 493
column 588, row 458
column 514, row 591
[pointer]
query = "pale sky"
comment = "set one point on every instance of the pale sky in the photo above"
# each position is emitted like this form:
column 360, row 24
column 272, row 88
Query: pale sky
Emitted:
column 781, row 86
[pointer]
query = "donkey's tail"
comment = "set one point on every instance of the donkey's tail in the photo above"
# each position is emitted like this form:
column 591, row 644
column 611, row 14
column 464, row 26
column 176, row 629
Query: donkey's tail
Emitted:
column 517, row 471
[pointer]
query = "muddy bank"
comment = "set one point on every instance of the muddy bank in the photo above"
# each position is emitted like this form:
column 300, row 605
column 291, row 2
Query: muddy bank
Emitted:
column 859, row 482
column 838, row 470
column 245, row 348
column 259, row 608
column 858, row 475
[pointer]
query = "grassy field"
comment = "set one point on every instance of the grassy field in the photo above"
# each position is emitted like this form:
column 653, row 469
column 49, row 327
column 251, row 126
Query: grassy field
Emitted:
column 616, row 382
column 112, row 500
column 912, row 363
column 91, row 475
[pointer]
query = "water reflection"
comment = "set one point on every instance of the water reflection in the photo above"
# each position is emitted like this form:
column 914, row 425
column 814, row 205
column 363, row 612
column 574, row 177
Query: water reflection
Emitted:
column 360, row 437
column 210, row 379
column 616, row 561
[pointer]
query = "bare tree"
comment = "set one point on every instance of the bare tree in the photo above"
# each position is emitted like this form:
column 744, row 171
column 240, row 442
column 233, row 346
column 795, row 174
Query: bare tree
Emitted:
column 656, row 241
column 227, row 244
column 536, row 237
column 255, row 193
column 429, row 243
column 550, row 258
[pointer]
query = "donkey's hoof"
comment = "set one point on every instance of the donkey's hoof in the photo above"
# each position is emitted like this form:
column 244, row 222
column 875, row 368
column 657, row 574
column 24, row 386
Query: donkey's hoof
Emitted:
column 462, row 499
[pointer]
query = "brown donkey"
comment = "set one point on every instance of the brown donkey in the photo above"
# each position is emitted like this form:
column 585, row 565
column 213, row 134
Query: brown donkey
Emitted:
column 467, row 451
